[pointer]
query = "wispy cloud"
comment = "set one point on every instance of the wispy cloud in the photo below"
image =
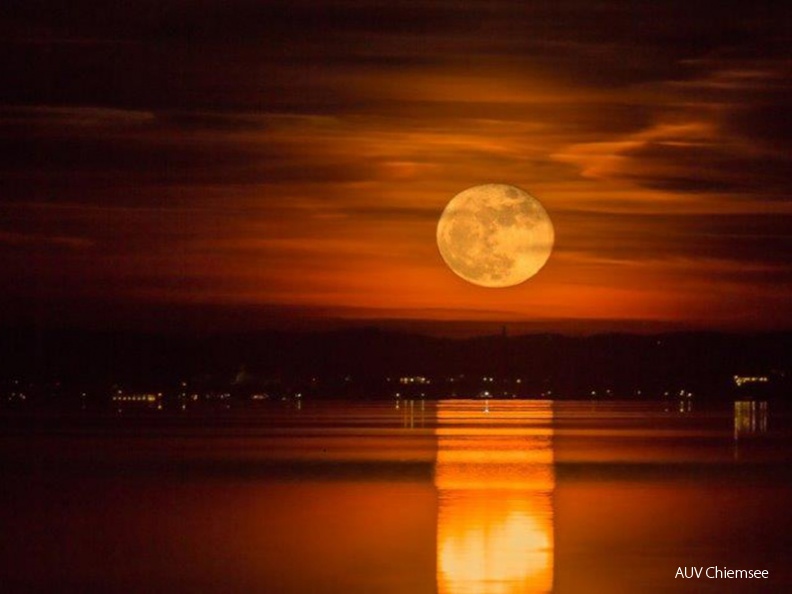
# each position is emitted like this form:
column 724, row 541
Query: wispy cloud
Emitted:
column 24, row 239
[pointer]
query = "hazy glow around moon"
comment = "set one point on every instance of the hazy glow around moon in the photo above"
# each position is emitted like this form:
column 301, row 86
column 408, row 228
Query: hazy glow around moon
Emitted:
column 495, row 235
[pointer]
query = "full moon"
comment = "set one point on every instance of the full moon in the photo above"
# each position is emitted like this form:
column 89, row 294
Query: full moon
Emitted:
column 495, row 235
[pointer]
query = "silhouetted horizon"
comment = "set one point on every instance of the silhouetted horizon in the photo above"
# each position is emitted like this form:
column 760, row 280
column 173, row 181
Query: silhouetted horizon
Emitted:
column 368, row 362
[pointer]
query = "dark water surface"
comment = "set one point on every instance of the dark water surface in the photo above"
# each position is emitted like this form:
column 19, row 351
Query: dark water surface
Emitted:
column 453, row 497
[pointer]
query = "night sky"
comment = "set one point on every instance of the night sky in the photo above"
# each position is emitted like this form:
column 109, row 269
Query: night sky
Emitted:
column 232, row 163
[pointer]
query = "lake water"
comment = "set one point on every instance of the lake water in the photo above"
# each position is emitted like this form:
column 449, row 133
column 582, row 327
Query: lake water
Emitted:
column 450, row 497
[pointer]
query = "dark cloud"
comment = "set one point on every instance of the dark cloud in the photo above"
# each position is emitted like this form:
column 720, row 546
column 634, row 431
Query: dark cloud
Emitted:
column 739, row 238
column 214, row 54
column 49, row 152
column 681, row 168
column 768, row 121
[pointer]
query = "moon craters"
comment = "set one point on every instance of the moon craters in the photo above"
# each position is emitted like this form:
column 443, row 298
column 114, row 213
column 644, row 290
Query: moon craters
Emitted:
column 495, row 235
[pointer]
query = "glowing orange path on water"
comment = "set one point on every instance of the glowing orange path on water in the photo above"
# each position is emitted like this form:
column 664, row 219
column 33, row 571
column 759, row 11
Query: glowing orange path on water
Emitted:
column 495, row 518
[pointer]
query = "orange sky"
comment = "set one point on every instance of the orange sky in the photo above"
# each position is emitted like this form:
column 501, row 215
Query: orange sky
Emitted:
column 294, row 158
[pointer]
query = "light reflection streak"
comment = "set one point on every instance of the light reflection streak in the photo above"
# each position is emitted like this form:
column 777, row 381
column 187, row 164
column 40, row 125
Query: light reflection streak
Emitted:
column 495, row 480
column 750, row 418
